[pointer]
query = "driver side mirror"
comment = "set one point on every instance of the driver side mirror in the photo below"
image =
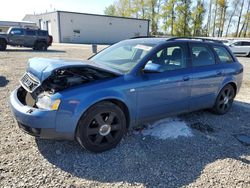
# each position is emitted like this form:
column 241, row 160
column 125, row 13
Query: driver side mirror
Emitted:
column 152, row 68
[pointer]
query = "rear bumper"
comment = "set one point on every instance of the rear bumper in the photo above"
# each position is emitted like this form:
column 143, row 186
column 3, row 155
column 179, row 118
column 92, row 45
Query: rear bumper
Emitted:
column 36, row 122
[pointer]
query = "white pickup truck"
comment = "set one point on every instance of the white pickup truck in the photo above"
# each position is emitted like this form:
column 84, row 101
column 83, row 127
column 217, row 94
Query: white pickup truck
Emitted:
column 240, row 47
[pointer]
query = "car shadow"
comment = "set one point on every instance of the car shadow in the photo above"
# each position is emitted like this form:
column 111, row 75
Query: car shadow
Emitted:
column 35, row 51
column 3, row 81
column 153, row 162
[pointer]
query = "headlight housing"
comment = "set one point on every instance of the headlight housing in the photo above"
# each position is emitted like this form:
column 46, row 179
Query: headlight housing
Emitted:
column 44, row 101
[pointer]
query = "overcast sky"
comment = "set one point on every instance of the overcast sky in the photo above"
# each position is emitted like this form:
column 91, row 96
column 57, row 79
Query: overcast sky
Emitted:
column 15, row 10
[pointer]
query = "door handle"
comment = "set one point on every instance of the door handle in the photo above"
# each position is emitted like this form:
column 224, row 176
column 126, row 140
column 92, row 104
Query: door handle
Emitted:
column 186, row 78
column 218, row 73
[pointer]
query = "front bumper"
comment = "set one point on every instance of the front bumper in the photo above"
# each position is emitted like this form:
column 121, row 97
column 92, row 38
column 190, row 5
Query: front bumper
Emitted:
column 36, row 122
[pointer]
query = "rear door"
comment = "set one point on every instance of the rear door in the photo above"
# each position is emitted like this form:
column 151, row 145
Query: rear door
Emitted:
column 30, row 37
column 207, row 75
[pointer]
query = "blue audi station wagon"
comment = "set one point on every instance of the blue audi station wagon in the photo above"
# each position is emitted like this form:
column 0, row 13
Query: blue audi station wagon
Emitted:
column 129, row 83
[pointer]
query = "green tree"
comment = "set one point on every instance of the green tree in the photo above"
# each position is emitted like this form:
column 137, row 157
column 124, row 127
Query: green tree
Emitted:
column 239, row 18
column 168, row 16
column 222, row 7
column 198, row 18
column 183, row 18
column 232, row 14
column 110, row 10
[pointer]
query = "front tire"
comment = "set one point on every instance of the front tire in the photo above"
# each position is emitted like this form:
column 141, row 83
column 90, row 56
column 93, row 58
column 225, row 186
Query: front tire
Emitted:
column 101, row 128
column 3, row 45
column 224, row 100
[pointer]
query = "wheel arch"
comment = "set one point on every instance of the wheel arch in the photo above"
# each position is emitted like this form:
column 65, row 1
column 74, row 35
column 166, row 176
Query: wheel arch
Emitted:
column 120, row 103
column 4, row 40
column 232, row 83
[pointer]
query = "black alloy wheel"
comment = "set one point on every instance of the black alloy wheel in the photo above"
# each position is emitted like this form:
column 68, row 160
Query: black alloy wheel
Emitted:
column 101, row 127
column 224, row 100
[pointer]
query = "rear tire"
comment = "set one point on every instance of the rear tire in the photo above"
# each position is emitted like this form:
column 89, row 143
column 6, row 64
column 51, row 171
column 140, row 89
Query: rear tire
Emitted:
column 3, row 45
column 101, row 128
column 224, row 100
column 42, row 46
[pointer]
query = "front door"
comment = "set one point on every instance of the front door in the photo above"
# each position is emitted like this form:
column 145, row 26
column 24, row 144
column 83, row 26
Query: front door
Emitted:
column 16, row 37
column 167, row 90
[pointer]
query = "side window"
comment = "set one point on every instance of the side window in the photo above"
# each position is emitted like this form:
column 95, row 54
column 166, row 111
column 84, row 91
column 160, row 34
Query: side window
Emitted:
column 202, row 56
column 42, row 33
column 223, row 54
column 245, row 43
column 30, row 32
column 16, row 32
column 170, row 58
column 237, row 44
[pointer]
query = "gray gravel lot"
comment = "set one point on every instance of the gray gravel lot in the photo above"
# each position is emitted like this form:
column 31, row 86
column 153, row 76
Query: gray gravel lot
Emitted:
column 208, row 159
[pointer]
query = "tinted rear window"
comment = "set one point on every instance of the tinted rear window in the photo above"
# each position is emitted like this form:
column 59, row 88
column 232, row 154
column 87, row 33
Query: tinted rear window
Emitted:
column 245, row 43
column 30, row 32
column 42, row 33
column 223, row 54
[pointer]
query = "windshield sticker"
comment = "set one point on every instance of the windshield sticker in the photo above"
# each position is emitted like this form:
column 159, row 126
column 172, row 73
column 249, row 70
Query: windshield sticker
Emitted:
column 143, row 47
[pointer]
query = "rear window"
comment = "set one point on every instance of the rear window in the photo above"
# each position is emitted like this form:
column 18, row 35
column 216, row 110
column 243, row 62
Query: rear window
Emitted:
column 223, row 54
column 30, row 32
column 42, row 33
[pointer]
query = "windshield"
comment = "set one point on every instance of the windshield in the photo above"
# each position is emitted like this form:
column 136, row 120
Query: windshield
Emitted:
column 123, row 56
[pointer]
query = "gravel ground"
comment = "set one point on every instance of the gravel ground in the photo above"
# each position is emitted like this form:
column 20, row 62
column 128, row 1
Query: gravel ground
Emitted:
column 212, row 157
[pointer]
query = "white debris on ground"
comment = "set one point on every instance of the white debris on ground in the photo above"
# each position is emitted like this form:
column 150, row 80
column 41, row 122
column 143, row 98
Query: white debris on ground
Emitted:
column 243, row 104
column 168, row 128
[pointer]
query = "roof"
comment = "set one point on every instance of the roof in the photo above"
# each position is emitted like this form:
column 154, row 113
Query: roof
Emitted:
column 89, row 14
column 15, row 23
column 158, row 40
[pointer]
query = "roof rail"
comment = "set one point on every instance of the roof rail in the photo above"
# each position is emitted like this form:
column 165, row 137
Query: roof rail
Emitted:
column 195, row 38
column 148, row 36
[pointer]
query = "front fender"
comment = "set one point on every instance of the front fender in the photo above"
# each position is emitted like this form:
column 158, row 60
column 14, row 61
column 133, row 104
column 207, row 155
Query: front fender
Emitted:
column 72, row 109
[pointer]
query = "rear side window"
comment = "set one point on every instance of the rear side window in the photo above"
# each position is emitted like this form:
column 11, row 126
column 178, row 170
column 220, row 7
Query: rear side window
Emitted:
column 30, row 32
column 42, row 33
column 202, row 56
column 245, row 43
column 223, row 54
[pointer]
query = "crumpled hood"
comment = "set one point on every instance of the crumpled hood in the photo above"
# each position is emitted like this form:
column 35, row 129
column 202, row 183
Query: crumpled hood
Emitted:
column 42, row 68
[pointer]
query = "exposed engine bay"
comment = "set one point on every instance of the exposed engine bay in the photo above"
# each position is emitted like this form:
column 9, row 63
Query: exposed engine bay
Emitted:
column 62, row 79
column 67, row 77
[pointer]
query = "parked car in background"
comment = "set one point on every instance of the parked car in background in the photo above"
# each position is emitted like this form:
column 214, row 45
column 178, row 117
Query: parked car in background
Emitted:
column 21, row 37
column 240, row 47
column 129, row 83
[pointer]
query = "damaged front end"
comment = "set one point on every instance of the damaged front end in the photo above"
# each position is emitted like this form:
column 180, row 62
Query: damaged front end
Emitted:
column 35, row 92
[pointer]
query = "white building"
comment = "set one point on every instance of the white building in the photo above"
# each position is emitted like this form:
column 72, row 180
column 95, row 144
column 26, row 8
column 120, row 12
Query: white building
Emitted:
column 73, row 27
column 5, row 25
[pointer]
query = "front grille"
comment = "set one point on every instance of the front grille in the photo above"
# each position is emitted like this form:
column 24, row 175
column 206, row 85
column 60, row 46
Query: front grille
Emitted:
column 29, row 82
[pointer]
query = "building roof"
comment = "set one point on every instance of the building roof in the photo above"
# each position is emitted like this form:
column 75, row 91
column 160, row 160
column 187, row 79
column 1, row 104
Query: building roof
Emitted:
column 15, row 23
column 86, row 14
